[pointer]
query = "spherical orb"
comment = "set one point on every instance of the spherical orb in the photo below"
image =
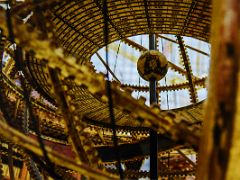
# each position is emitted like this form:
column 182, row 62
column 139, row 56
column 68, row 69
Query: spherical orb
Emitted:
column 152, row 65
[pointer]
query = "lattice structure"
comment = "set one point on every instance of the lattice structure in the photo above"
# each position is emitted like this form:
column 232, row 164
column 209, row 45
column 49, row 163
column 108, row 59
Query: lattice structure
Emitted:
column 54, row 117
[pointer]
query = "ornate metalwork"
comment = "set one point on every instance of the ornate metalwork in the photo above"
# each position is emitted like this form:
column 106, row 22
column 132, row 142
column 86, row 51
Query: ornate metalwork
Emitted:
column 69, row 98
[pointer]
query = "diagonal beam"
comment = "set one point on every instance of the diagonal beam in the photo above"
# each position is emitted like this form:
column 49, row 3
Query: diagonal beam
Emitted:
column 74, row 124
column 70, row 119
column 14, row 136
column 123, row 52
column 108, row 19
column 147, row 15
column 187, row 19
column 189, row 47
column 189, row 75
column 107, row 67
column 187, row 158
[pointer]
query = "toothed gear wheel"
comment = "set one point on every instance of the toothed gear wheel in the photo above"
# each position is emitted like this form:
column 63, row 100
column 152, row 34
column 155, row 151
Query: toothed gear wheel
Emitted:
column 177, row 66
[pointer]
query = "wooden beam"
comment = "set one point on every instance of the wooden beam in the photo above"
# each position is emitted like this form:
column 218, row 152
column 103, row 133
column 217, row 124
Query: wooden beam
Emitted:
column 220, row 146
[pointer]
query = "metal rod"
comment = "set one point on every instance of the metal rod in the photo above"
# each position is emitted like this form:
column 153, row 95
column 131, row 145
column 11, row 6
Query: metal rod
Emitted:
column 109, row 91
column 152, row 42
column 153, row 134
column 10, row 162
column 153, row 155
column 152, row 82
column 107, row 67
column 153, row 90
column 187, row 158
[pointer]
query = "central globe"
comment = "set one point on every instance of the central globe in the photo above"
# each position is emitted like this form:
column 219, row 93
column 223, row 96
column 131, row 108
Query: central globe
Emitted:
column 152, row 65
